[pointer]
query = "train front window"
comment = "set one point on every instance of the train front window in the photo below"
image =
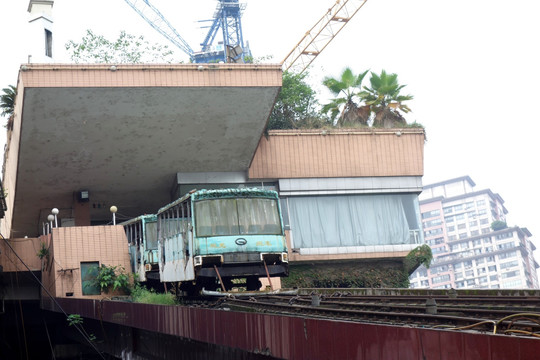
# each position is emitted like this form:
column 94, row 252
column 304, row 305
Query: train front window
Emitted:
column 151, row 236
column 245, row 216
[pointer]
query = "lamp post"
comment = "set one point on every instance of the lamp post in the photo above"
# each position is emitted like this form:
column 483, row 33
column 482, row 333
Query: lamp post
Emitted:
column 50, row 218
column 55, row 212
column 114, row 209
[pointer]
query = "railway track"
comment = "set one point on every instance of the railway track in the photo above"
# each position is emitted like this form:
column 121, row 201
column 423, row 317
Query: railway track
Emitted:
column 500, row 314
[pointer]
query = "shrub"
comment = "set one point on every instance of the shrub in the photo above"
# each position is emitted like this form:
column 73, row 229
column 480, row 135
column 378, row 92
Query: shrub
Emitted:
column 140, row 294
column 498, row 225
column 112, row 278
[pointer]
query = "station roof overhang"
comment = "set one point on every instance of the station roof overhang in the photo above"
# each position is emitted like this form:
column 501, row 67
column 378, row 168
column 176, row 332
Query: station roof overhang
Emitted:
column 123, row 132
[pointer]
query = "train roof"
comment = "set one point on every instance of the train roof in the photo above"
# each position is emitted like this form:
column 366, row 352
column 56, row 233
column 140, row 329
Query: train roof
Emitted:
column 223, row 193
column 145, row 217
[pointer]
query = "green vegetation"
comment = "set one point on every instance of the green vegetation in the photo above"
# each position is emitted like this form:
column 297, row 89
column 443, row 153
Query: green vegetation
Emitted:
column 347, row 98
column 140, row 294
column 354, row 275
column 43, row 251
column 127, row 48
column 498, row 225
column 420, row 255
column 385, row 101
column 7, row 105
column 345, row 276
column 74, row 319
column 112, row 278
column 296, row 105
column 7, row 100
column 380, row 104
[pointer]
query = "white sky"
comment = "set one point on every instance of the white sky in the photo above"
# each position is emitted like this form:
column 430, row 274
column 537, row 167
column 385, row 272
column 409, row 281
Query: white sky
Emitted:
column 473, row 67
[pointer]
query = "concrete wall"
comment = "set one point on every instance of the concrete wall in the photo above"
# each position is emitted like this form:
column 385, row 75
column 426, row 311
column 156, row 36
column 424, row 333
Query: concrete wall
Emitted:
column 26, row 248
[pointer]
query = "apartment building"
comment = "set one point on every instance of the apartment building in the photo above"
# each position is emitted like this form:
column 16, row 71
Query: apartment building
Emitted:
column 467, row 251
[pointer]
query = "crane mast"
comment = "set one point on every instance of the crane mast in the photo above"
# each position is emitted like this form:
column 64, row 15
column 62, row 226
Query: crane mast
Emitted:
column 227, row 17
column 320, row 35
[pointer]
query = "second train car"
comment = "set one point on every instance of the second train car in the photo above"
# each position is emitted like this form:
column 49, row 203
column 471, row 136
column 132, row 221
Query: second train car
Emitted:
column 207, row 238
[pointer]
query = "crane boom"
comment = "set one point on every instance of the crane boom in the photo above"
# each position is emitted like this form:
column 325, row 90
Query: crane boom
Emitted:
column 320, row 35
column 152, row 16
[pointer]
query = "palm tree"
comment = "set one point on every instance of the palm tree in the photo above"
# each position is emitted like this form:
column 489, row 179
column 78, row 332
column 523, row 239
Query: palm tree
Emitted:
column 384, row 99
column 7, row 100
column 345, row 106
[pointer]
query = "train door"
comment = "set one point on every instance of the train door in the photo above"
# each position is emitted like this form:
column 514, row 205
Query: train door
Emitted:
column 176, row 262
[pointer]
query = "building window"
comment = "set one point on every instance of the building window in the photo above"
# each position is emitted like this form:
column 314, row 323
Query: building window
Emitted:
column 475, row 233
column 485, row 231
column 493, row 278
column 473, row 223
column 48, row 43
column 484, row 221
column 513, row 284
column 433, row 232
column 450, row 228
column 440, row 279
column 89, row 272
column 480, row 202
column 508, row 245
column 509, row 264
column 431, row 214
column 462, row 226
column 510, row 274
column 432, row 223
column 505, row 235
column 463, row 235
column 492, row 268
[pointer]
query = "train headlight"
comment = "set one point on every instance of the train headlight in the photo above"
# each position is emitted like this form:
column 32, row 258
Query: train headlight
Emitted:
column 284, row 257
column 198, row 260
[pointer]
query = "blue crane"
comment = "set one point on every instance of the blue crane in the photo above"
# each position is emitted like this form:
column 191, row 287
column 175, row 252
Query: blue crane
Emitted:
column 227, row 17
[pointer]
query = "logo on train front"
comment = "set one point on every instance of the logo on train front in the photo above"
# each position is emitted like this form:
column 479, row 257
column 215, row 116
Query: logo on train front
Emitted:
column 240, row 241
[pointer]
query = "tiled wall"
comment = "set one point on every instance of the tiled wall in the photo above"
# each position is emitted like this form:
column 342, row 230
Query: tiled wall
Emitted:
column 26, row 248
column 73, row 245
column 339, row 153
column 128, row 75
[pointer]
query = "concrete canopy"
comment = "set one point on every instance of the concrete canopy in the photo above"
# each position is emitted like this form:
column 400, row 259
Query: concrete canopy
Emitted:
column 123, row 133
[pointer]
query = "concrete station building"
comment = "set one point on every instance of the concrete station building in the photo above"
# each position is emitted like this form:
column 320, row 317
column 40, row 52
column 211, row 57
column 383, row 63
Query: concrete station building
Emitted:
column 85, row 137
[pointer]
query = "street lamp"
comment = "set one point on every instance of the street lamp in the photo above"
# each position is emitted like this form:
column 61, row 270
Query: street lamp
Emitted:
column 55, row 212
column 114, row 209
column 50, row 218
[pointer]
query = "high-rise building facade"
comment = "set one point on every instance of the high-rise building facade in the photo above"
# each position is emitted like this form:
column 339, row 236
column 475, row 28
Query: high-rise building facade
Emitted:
column 467, row 251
